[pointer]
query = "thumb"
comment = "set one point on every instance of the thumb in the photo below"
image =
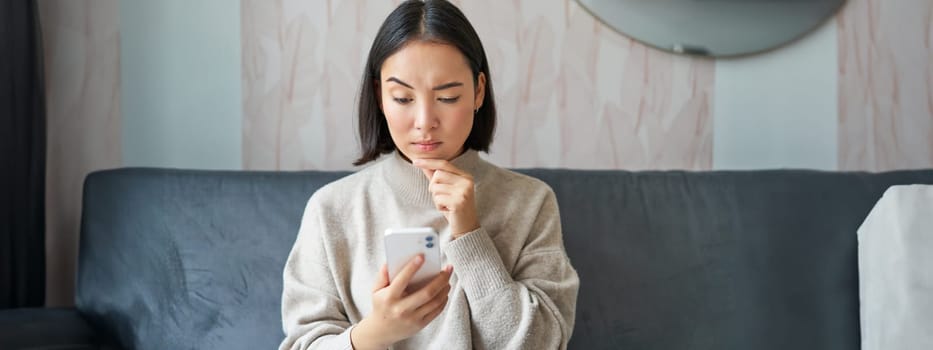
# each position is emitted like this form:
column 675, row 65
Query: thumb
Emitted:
column 428, row 173
column 383, row 280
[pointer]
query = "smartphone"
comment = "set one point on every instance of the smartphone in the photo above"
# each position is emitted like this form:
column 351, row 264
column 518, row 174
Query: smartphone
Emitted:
column 403, row 244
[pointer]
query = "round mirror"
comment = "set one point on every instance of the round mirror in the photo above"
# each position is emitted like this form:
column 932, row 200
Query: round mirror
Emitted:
column 713, row 27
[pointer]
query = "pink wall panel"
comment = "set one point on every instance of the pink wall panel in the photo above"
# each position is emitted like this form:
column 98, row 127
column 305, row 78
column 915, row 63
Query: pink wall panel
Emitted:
column 82, row 71
column 570, row 92
column 886, row 85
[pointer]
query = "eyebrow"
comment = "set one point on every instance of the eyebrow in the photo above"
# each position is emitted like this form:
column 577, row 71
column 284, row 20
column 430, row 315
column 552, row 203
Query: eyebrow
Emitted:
column 436, row 88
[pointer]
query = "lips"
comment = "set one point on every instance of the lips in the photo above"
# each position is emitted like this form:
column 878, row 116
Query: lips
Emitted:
column 427, row 145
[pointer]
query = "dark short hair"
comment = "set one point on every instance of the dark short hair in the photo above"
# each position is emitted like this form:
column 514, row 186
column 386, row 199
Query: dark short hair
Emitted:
column 433, row 21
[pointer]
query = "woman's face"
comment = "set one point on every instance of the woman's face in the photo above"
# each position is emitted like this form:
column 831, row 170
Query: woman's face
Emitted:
column 427, row 94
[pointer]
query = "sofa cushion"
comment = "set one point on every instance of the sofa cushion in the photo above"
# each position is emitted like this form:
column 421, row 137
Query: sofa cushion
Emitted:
column 53, row 328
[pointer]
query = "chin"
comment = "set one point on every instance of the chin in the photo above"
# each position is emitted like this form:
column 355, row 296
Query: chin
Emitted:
column 435, row 154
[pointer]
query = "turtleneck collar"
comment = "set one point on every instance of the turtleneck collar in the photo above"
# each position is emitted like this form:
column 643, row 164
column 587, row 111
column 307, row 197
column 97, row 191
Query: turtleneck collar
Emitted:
column 410, row 184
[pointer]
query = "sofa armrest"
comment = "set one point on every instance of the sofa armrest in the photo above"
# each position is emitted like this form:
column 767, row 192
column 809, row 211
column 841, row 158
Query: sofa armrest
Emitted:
column 52, row 328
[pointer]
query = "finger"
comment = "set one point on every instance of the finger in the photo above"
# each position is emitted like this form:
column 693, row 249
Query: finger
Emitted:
column 438, row 164
column 438, row 301
column 428, row 173
column 447, row 202
column 438, row 283
column 400, row 282
column 440, row 202
column 451, row 177
column 383, row 280
column 433, row 314
column 418, row 298
column 451, row 182
column 446, row 177
column 437, row 188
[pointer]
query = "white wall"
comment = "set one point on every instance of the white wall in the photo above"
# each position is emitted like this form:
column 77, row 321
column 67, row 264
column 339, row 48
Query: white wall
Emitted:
column 180, row 65
column 778, row 110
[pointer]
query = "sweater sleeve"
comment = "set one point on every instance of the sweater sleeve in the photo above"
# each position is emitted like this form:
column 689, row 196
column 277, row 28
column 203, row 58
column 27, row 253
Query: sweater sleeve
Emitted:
column 312, row 315
column 533, row 306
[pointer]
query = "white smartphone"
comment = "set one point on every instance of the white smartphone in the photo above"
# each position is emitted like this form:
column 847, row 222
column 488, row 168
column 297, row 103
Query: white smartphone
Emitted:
column 403, row 244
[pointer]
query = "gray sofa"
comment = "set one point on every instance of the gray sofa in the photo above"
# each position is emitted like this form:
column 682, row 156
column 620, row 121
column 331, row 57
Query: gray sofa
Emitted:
column 180, row 259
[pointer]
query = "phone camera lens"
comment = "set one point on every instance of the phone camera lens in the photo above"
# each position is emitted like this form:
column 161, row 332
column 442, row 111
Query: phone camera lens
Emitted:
column 430, row 245
column 429, row 238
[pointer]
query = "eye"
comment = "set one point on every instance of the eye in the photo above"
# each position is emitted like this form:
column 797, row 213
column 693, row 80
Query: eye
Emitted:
column 402, row 100
column 449, row 99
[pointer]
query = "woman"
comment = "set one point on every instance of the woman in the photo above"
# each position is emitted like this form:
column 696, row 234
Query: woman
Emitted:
column 427, row 102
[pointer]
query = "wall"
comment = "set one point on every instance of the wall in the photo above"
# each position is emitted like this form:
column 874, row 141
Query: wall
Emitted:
column 560, row 77
column 82, row 69
column 886, row 85
column 271, row 85
column 181, row 83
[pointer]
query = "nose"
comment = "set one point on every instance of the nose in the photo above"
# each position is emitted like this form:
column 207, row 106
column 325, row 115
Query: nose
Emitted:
column 424, row 117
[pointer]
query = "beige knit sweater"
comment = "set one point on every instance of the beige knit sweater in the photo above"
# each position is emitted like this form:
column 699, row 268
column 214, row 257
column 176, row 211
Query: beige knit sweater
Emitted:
column 512, row 287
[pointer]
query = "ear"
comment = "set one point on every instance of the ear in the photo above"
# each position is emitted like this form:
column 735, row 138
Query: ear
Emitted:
column 480, row 91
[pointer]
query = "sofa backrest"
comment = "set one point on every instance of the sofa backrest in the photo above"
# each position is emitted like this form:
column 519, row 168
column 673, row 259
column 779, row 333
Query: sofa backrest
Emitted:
column 717, row 260
column 179, row 259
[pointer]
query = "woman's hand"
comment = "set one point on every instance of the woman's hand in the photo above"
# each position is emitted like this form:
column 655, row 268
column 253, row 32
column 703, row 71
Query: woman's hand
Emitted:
column 452, row 190
column 397, row 314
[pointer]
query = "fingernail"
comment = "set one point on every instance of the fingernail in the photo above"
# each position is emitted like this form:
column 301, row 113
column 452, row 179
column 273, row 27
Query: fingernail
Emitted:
column 449, row 268
column 419, row 259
